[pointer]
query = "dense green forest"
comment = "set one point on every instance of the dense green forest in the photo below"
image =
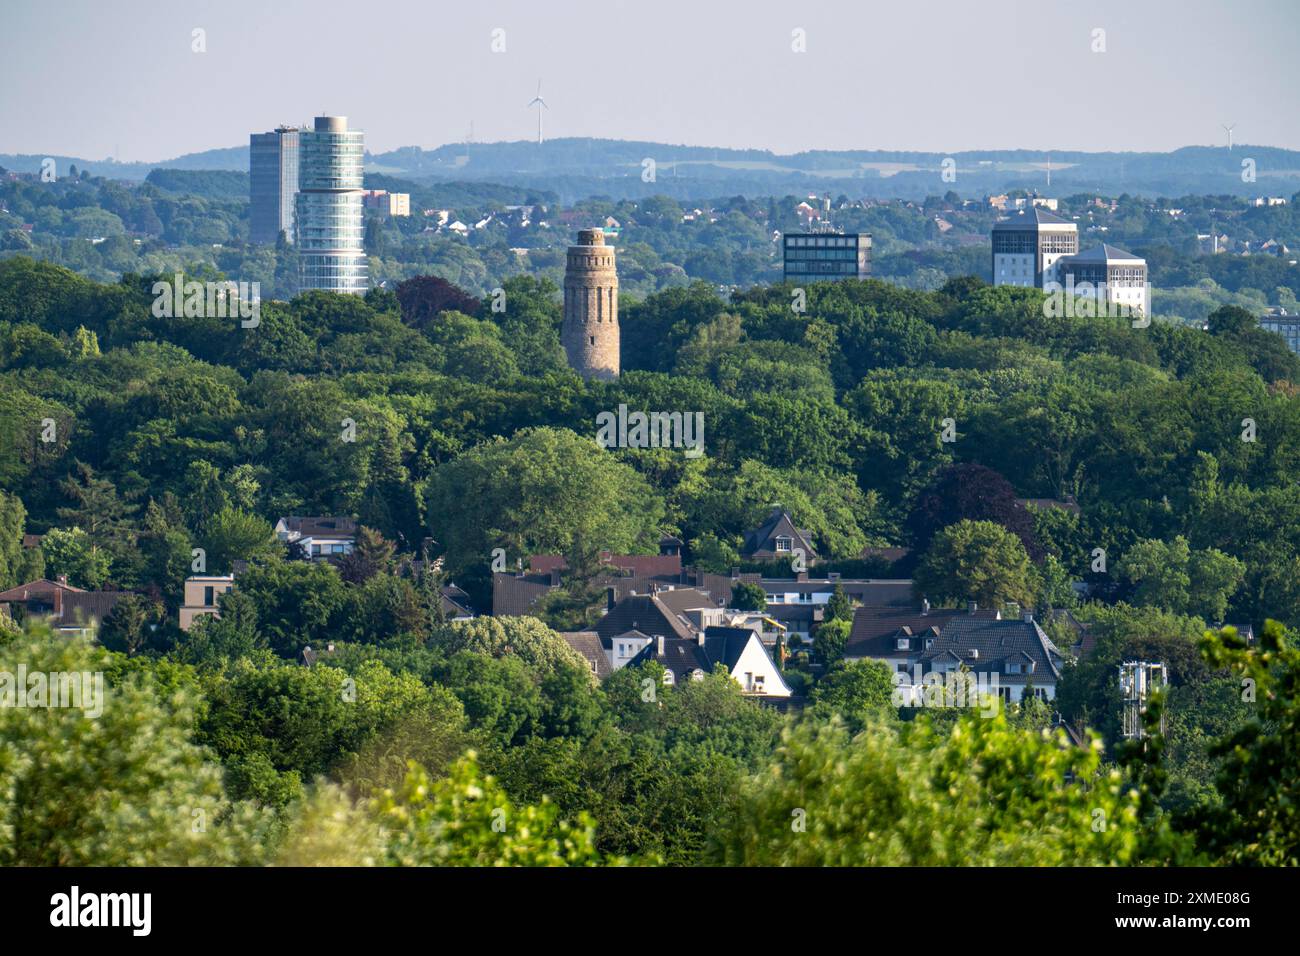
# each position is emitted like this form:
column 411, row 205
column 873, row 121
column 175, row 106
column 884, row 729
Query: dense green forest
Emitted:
column 127, row 440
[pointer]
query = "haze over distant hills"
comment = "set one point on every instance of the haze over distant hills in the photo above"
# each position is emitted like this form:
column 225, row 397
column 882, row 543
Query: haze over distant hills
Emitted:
column 579, row 167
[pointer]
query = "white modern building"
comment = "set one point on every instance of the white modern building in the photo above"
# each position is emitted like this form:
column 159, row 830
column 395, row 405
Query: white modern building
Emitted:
column 1028, row 245
column 1108, row 274
column 325, row 536
column 330, row 222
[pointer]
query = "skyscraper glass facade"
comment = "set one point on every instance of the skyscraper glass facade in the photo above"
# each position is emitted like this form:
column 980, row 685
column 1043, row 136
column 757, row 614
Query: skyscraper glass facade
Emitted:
column 273, row 183
column 330, row 208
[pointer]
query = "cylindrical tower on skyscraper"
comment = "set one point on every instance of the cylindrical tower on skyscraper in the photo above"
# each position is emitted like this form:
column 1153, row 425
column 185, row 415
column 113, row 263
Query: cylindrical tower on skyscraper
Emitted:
column 590, row 330
column 330, row 220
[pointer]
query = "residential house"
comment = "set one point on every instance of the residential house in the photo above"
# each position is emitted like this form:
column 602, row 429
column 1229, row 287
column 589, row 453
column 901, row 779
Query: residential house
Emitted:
column 680, row 612
column 588, row 644
column 798, row 604
column 1012, row 652
column 769, row 630
column 69, row 610
column 515, row 593
column 738, row 650
column 202, row 593
column 319, row 537
column 778, row 538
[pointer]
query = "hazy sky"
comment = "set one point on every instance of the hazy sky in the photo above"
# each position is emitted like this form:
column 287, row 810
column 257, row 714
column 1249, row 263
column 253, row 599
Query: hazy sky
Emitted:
column 94, row 78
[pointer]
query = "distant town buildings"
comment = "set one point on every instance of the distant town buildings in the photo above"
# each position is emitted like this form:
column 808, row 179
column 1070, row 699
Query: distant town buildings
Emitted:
column 1285, row 325
column 1027, row 246
column 590, row 330
column 826, row 256
column 330, row 216
column 389, row 204
column 272, row 183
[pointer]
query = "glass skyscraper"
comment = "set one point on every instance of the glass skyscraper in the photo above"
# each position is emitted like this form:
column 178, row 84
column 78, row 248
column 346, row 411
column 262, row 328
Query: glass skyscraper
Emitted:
column 273, row 183
column 330, row 211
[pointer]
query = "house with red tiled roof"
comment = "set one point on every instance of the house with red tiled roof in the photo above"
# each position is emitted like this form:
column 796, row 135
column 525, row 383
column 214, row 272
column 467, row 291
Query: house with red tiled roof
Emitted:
column 69, row 609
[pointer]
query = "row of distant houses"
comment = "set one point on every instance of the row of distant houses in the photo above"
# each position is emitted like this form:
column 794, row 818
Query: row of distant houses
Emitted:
column 658, row 610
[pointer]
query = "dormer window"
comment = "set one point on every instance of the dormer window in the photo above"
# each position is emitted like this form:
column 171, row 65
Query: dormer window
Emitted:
column 903, row 644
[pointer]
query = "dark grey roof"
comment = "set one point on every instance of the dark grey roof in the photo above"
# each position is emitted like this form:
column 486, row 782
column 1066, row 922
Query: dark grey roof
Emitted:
column 682, row 656
column 1103, row 252
column 725, row 644
column 681, row 600
column 589, row 645
column 320, row 525
column 1031, row 219
column 760, row 541
column 876, row 630
column 996, row 642
column 515, row 594
column 645, row 613
column 455, row 601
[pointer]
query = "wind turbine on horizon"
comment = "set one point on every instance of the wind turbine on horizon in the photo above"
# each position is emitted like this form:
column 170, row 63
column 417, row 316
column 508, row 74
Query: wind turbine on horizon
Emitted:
column 541, row 105
column 1228, row 130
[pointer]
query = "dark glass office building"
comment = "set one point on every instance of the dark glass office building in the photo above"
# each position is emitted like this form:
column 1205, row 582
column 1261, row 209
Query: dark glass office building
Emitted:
column 272, row 183
column 826, row 256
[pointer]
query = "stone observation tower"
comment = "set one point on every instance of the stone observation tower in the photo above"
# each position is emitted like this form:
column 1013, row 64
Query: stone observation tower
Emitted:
column 590, row 331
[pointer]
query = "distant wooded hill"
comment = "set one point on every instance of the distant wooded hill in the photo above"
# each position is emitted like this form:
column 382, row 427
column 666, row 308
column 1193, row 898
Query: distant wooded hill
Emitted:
column 579, row 167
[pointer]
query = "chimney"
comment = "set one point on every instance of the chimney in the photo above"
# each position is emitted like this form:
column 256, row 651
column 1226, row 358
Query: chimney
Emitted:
column 832, row 575
column 801, row 576
column 659, row 644
column 925, row 606
column 1027, row 615
column 555, row 577
column 62, row 580
column 735, row 573
column 972, row 607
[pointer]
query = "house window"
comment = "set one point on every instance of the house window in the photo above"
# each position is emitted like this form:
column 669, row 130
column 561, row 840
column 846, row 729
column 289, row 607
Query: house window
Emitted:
column 903, row 644
column 209, row 596
column 783, row 544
